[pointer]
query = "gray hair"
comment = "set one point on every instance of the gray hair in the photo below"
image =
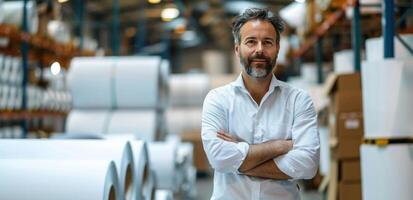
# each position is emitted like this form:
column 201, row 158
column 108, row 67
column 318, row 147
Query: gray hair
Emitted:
column 253, row 14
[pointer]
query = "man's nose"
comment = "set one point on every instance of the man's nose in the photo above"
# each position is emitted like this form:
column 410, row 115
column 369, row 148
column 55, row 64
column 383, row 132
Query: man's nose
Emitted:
column 259, row 49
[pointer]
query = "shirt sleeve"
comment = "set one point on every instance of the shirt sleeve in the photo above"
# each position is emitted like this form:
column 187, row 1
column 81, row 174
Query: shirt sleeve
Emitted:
column 225, row 157
column 302, row 161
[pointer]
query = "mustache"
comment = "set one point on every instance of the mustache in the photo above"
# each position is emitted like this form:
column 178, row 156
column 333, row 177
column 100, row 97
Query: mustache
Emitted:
column 267, row 59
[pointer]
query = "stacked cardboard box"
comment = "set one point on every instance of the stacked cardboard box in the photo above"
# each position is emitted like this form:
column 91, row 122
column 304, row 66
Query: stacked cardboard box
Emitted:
column 346, row 132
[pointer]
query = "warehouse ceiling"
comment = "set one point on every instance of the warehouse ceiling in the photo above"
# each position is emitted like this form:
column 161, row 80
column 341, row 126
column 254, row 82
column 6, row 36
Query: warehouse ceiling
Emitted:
column 203, row 22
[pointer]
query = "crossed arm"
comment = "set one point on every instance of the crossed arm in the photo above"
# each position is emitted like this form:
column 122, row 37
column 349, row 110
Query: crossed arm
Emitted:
column 259, row 161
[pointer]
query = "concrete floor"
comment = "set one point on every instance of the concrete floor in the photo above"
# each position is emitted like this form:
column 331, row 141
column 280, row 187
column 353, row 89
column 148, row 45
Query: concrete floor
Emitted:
column 204, row 190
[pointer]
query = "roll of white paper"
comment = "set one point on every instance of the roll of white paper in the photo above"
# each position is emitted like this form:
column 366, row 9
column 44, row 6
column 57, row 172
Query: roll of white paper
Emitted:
column 221, row 80
column 13, row 14
column 110, row 150
column 7, row 65
column 375, row 49
column 143, row 183
column 386, row 172
column 90, row 82
column 142, row 123
column 181, row 120
column 58, row 179
column 162, row 156
column 387, row 98
column 87, row 121
column 343, row 61
column 188, row 89
column 164, row 195
column 4, row 92
column 137, row 82
column 12, row 99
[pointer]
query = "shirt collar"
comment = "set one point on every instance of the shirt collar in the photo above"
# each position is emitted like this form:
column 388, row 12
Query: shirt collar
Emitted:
column 239, row 83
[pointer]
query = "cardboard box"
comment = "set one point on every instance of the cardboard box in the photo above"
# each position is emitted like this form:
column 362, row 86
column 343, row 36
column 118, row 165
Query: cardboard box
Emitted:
column 350, row 171
column 348, row 149
column 349, row 191
column 349, row 126
column 200, row 160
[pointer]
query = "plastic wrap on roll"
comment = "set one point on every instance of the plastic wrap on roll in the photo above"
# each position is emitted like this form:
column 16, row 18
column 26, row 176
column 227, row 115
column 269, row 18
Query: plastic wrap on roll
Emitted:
column 386, row 172
column 162, row 156
column 87, row 121
column 138, row 82
column 188, row 89
column 58, row 179
column 118, row 151
column 13, row 14
column 375, row 49
column 90, row 82
column 181, row 120
column 142, row 123
column 387, row 98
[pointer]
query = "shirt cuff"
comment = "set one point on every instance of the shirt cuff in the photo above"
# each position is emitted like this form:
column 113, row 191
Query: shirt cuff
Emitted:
column 285, row 166
column 243, row 147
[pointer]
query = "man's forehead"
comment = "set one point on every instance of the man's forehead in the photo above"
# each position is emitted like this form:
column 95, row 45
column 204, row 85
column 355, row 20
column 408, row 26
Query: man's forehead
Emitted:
column 254, row 27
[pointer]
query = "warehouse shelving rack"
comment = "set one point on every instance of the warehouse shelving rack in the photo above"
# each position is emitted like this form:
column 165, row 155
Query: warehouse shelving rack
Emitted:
column 45, row 51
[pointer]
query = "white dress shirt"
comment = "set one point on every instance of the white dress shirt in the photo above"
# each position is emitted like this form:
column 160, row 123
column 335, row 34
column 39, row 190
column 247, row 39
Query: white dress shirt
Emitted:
column 284, row 113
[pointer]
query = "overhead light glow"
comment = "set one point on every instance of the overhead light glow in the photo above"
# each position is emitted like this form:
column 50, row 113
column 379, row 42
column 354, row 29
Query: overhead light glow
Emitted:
column 169, row 14
column 154, row 1
column 300, row 1
column 55, row 68
column 62, row 1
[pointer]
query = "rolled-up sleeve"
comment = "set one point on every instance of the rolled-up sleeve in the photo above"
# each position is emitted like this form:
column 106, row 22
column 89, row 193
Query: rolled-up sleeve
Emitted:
column 302, row 161
column 225, row 157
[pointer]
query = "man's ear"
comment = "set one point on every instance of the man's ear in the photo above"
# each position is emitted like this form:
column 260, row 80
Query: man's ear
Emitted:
column 236, row 48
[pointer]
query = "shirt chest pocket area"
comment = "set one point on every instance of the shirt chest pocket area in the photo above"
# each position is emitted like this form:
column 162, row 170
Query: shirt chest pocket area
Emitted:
column 280, row 130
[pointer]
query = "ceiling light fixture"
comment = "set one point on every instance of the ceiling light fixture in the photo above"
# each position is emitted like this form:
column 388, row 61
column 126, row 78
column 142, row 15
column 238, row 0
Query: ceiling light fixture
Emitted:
column 169, row 13
column 154, row 1
column 55, row 68
column 62, row 1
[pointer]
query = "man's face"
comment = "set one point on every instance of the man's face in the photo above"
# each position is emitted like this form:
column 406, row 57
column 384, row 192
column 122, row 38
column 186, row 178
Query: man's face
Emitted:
column 258, row 49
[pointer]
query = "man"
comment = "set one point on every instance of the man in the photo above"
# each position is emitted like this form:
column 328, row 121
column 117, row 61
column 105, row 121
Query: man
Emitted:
column 259, row 134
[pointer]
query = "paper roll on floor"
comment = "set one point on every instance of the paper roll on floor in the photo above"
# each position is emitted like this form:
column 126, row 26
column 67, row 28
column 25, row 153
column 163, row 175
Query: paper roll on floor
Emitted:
column 87, row 121
column 118, row 151
column 90, row 82
column 162, row 156
column 58, row 180
column 142, row 123
column 387, row 171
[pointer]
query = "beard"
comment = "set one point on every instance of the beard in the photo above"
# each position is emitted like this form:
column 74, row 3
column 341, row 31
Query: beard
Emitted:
column 260, row 70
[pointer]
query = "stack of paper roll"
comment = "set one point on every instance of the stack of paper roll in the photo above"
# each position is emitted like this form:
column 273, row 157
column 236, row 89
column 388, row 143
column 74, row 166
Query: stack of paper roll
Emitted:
column 134, row 90
column 22, row 179
column 118, row 82
column 375, row 48
column 1, row 11
column 387, row 171
column 188, row 89
column 343, row 61
column 180, row 120
column 142, row 123
column 387, row 98
column 11, row 132
column 13, row 14
column 108, row 150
